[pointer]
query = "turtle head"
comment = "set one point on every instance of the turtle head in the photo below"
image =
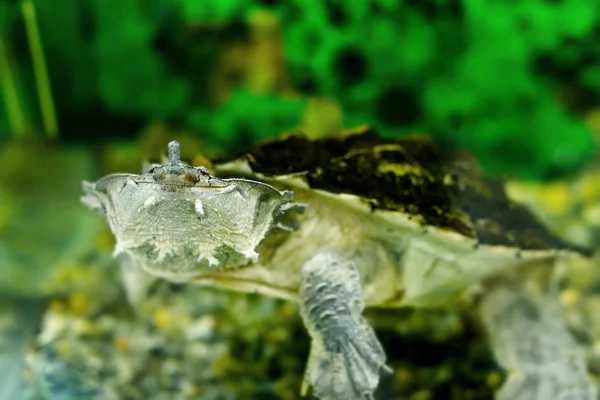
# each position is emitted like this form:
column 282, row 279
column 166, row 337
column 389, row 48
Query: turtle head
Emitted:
column 177, row 173
column 177, row 220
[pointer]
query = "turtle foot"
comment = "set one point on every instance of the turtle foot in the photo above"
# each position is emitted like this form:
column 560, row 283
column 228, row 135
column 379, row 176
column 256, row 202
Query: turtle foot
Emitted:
column 346, row 357
column 346, row 366
column 532, row 343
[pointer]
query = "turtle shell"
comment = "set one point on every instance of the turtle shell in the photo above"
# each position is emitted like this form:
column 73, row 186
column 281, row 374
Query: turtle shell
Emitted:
column 412, row 176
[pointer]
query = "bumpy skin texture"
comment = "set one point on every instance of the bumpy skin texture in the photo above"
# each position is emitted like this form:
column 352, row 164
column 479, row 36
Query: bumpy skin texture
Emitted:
column 346, row 357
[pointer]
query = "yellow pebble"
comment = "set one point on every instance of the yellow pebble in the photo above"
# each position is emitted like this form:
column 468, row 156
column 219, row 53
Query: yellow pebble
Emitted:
column 78, row 303
column 121, row 344
column 569, row 297
column 494, row 380
column 403, row 375
column 421, row 395
column 162, row 318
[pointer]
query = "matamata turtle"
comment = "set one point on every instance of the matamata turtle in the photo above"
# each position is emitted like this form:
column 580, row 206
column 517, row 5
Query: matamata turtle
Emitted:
column 342, row 223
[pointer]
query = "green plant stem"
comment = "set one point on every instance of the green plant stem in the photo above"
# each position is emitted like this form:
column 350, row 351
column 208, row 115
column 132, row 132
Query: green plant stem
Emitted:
column 39, row 66
column 16, row 118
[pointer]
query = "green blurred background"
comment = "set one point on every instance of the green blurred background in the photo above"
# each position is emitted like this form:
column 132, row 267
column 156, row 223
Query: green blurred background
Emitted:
column 516, row 82
column 89, row 87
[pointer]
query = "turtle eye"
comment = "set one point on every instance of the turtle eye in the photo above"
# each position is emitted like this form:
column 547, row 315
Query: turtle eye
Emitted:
column 152, row 167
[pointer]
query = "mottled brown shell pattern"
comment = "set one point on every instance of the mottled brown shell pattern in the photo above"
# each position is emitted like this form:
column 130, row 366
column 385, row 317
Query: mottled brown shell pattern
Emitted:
column 409, row 175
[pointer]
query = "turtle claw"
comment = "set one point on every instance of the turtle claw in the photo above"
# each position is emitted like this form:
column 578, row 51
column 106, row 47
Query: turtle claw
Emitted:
column 346, row 366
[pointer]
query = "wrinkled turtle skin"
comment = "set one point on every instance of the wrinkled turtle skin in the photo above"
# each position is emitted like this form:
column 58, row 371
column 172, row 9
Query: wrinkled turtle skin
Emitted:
column 344, row 223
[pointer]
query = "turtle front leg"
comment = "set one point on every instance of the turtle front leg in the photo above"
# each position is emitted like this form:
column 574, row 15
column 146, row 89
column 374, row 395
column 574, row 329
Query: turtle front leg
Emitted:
column 345, row 356
column 531, row 342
